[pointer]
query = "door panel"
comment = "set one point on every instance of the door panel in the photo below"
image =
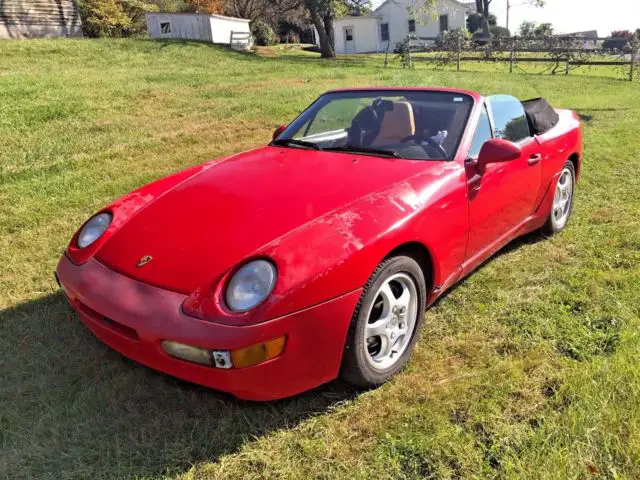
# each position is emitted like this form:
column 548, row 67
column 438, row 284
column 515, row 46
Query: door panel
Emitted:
column 349, row 40
column 504, row 195
column 501, row 198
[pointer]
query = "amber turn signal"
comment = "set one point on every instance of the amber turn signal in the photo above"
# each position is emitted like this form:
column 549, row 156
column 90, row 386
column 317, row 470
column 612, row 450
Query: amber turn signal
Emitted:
column 261, row 352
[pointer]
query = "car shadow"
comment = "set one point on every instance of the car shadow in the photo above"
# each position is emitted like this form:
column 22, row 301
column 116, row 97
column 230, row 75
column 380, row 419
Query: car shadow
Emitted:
column 528, row 239
column 74, row 407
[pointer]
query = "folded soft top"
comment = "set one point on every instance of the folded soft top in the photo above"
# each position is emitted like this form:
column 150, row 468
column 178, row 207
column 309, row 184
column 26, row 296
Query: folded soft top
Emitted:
column 540, row 115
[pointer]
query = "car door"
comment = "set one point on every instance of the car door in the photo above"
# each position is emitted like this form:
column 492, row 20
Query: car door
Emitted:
column 504, row 195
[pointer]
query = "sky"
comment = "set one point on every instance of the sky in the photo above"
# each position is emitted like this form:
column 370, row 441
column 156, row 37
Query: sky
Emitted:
column 569, row 16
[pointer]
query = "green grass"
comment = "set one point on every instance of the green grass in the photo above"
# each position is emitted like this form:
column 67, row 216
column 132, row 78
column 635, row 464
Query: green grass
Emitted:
column 528, row 369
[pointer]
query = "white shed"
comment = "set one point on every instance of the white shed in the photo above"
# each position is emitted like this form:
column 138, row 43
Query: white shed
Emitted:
column 206, row 28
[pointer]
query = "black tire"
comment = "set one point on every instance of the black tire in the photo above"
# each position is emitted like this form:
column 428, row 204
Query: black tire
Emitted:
column 356, row 368
column 550, row 227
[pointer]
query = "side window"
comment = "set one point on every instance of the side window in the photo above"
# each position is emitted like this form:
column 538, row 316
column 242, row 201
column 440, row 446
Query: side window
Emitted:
column 412, row 26
column 384, row 32
column 509, row 119
column 482, row 135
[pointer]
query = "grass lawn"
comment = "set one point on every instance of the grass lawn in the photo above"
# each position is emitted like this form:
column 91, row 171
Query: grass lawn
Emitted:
column 529, row 369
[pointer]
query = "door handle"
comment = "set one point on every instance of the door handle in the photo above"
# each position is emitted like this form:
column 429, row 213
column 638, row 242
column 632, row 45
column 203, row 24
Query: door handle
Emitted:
column 535, row 158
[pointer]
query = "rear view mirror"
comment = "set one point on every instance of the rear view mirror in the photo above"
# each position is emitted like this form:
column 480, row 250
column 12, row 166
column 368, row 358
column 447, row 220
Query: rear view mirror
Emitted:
column 497, row 150
column 278, row 131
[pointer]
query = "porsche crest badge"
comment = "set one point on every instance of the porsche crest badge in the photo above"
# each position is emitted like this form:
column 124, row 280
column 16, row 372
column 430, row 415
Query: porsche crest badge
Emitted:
column 143, row 261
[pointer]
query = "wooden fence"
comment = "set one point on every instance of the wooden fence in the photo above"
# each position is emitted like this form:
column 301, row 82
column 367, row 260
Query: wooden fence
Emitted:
column 240, row 40
column 563, row 53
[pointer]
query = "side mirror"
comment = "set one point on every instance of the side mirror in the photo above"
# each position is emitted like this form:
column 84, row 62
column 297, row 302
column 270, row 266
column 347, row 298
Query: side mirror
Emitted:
column 497, row 150
column 278, row 131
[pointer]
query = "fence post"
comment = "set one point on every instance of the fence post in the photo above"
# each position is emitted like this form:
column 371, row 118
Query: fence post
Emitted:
column 458, row 53
column 231, row 39
column 512, row 53
column 566, row 68
column 634, row 49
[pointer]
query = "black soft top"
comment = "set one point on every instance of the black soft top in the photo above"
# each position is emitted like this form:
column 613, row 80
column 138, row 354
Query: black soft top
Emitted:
column 540, row 115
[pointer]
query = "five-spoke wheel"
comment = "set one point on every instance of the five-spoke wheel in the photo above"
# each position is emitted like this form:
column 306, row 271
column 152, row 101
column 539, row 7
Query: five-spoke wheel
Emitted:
column 562, row 200
column 386, row 322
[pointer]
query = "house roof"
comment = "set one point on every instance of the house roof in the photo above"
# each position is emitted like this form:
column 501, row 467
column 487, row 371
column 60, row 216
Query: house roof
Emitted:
column 185, row 14
column 456, row 2
column 588, row 34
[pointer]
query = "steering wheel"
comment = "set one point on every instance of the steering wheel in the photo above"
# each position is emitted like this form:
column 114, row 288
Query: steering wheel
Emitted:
column 430, row 142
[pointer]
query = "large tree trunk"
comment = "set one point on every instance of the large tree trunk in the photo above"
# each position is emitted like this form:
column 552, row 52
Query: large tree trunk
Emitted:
column 485, row 22
column 328, row 27
column 327, row 44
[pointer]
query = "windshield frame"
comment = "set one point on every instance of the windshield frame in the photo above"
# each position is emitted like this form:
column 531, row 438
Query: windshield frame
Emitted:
column 304, row 117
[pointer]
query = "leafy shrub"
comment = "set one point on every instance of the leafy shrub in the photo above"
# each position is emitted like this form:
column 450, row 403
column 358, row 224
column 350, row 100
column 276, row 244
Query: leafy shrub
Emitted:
column 263, row 34
column 499, row 32
column 114, row 18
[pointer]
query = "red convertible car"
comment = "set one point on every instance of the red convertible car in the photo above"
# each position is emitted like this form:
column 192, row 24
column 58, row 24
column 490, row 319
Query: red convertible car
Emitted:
column 273, row 271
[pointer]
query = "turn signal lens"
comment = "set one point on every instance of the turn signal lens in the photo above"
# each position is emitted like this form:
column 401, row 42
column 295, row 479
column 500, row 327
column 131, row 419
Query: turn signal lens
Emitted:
column 187, row 352
column 245, row 357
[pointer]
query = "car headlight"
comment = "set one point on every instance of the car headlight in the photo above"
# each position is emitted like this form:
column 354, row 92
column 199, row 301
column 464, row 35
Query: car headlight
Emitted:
column 94, row 229
column 250, row 285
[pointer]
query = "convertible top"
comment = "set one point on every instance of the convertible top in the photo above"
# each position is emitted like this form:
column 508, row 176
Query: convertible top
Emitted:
column 540, row 115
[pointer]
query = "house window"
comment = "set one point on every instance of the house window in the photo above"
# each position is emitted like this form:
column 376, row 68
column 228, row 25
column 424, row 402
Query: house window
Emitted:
column 412, row 26
column 384, row 31
column 444, row 23
column 165, row 28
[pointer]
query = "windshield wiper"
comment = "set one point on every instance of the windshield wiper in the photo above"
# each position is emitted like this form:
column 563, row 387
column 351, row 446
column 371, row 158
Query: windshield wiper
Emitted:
column 381, row 152
column 285, row 142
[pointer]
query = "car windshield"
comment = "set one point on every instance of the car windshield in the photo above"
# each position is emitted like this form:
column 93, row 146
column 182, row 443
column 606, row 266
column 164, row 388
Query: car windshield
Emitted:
column 411, row 124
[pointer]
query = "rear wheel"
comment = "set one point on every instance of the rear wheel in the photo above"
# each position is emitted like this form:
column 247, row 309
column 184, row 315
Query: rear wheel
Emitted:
column 386, row 322
column 562, row 200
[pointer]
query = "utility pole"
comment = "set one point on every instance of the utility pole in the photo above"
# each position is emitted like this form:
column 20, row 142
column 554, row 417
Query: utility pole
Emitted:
column 508, row 8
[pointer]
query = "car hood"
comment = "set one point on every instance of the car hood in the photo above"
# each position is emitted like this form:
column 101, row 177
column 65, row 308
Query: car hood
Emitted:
column 204, row 226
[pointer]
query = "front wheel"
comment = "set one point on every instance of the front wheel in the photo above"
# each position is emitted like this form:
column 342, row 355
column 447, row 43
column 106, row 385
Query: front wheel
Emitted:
column 562, row 200
column 385, row 323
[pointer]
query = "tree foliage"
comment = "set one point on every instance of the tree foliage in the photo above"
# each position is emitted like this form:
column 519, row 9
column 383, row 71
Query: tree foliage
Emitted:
column 475, row 21
column 499, row 32
column 534, row 30
column 206, row 6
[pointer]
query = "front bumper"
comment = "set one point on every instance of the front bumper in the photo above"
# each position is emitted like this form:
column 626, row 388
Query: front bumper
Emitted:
column 133, row 318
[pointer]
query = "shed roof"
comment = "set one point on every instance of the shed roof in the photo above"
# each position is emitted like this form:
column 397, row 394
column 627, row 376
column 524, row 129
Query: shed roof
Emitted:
column 210, row 15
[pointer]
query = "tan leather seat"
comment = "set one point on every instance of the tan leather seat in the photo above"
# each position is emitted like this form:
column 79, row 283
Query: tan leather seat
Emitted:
column 397, row 124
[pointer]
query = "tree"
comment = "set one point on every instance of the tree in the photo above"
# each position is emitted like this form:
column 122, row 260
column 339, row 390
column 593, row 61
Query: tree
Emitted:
column 475, row 19
column 323, row 12
column 482, row 7
column 206, row 6
column 534, row 30
column 499, row 32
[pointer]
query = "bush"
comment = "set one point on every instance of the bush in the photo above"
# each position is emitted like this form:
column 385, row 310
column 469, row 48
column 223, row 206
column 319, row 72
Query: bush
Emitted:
column 263, row 34
column 499, row 32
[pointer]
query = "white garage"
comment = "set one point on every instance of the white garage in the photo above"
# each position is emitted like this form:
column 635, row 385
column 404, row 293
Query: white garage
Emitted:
column 206, row 28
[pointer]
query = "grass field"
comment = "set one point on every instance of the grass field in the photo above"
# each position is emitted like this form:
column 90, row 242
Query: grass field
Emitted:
column 529, row 369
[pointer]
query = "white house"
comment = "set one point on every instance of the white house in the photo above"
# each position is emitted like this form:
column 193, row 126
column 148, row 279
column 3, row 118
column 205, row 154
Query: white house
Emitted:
column 392, row 22
column 193, row 26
